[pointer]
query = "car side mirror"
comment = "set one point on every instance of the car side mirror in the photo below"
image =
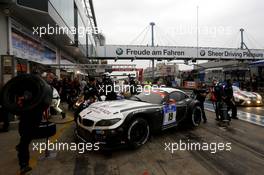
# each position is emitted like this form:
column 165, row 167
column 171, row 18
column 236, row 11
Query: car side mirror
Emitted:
column 103, row 97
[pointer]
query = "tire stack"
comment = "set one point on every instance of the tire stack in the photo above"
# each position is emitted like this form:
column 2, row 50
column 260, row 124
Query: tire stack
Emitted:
column 33, row 87
column 37, row 94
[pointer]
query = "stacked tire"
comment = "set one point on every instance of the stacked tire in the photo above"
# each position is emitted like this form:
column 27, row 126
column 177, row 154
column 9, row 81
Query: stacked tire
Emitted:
column 39, row 94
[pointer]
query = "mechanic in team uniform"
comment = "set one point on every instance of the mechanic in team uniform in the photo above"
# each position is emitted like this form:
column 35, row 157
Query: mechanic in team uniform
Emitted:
column 201, row 94
column 228, row 97
column 108, row 86
column 132, row 85
column 28, row 124
column 90, row 91
column 49, row 78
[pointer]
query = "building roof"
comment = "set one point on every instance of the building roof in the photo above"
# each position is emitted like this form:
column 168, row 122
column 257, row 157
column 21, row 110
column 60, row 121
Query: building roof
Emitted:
column 257, row 63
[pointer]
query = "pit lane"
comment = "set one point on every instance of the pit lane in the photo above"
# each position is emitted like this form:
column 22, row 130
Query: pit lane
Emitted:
column 245, row 157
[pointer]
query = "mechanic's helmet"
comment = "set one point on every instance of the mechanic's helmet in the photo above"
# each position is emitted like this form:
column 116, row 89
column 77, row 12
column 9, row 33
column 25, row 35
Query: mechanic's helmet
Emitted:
column 215, row 82
column 92, row 79
column 107, row 74
column 229, row 82
column 44, row 74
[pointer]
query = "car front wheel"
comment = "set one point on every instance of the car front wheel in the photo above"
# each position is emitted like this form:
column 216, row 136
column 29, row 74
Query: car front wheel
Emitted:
column 196, row 116
column 138, row 133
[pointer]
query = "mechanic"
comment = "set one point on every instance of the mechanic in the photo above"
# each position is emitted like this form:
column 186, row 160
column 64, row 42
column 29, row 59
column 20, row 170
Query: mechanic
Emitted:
column 229, row 98
column 83, row 83
column 132, row 85
column 201, row 94
column 216, row 97
column 56, row 102
column 28, row 123
column 109, row 90
column 91, row 90
column 49, row 77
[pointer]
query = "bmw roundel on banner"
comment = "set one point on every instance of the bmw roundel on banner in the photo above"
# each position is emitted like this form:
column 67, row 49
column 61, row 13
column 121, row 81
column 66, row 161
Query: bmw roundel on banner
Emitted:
column 119, row 51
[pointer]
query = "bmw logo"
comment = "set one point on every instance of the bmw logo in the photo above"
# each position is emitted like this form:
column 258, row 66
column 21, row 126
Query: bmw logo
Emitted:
column 119, row 51
column 202, row 53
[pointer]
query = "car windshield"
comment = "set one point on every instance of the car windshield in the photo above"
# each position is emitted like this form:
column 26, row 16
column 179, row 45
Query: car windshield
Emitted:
column 235, row 88
column 155, row 97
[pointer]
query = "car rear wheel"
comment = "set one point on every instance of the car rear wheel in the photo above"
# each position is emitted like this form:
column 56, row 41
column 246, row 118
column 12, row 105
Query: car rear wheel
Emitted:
column 196, row 116
column 138, row 133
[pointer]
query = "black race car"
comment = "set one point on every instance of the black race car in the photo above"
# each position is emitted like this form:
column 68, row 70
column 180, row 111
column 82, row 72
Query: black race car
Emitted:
column 132, row 121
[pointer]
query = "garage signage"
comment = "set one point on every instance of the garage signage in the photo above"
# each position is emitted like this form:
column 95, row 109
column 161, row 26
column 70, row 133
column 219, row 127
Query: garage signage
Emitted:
column 170, row 52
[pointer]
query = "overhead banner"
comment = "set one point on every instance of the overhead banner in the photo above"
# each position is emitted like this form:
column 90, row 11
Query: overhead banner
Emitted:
column 159, row 52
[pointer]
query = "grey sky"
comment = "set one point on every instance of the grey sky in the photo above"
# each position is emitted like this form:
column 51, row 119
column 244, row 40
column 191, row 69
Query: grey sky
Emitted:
column 121, row 21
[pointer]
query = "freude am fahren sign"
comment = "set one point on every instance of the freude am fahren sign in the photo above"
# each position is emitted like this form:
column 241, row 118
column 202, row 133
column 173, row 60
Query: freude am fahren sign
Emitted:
column 113, row 51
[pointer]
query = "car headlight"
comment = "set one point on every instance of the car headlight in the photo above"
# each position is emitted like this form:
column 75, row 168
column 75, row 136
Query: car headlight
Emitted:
column 109, row 122
column 259, row 97
column 77, row 104
column 248, row 102
column 239, row 97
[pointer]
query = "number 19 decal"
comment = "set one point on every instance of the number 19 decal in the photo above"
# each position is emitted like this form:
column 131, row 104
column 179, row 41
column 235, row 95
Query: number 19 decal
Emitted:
column 169, row 113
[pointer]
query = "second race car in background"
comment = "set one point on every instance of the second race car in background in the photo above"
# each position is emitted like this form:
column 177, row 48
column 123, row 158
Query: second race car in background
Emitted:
column 245, row 98
column 132, row 121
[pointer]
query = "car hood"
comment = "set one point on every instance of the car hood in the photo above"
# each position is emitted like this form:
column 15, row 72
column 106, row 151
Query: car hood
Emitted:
column 248, row 94
column 113, row 109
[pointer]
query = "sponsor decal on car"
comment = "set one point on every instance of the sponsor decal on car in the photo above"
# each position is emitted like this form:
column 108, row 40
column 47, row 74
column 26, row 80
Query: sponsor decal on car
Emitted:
column 169, row 112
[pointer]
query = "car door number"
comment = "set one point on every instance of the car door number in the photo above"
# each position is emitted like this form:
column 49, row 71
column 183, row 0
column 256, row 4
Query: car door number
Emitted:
column 169, row 114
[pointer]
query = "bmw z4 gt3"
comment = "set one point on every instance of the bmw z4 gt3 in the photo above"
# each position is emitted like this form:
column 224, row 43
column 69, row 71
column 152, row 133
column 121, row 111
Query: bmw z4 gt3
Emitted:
column 132, row 121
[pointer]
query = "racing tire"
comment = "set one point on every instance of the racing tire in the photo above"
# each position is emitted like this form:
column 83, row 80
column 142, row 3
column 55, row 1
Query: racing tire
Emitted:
column 138, row 133
column 40, row 94
column 196, row 116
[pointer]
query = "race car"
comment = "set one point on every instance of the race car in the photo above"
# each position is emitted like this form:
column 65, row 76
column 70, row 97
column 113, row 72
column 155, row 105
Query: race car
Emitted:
column 131, row 122
column 245, row 98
